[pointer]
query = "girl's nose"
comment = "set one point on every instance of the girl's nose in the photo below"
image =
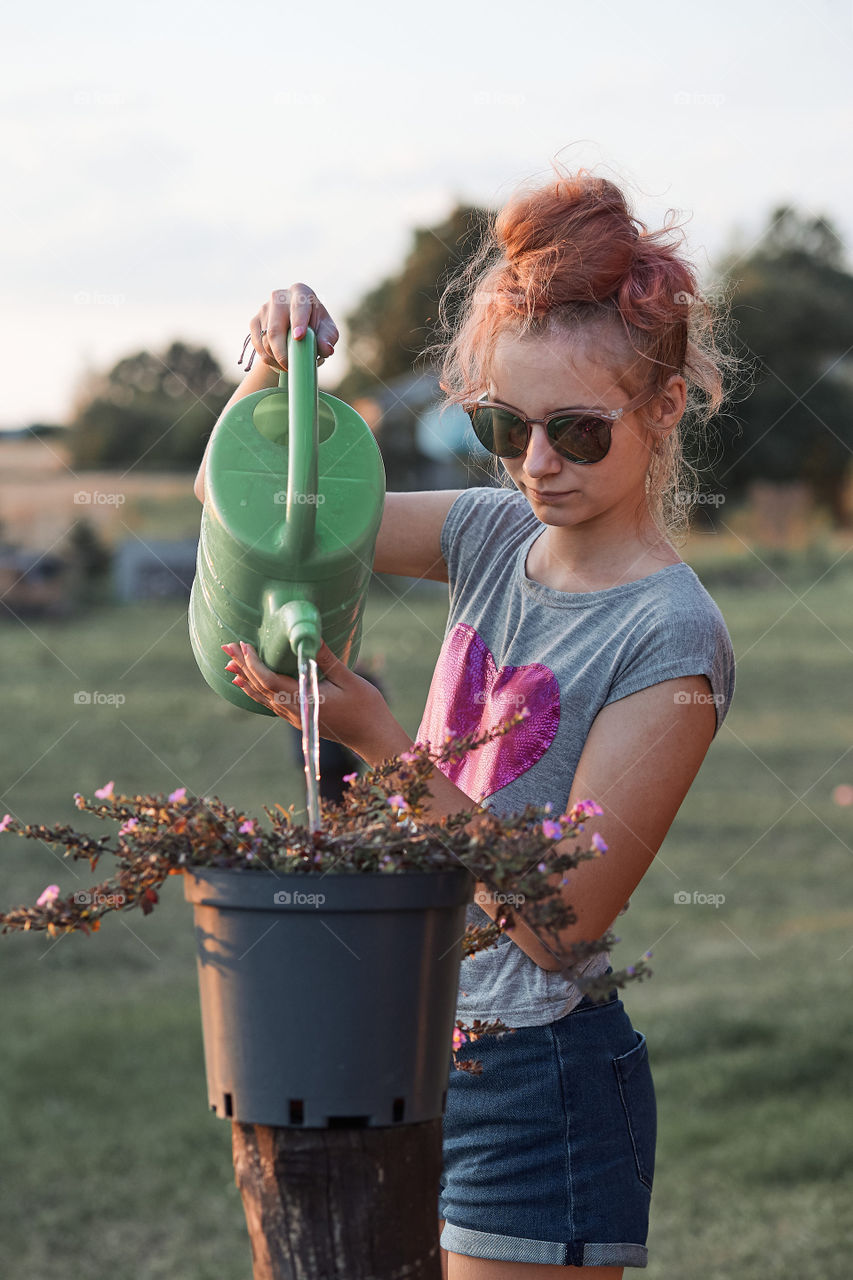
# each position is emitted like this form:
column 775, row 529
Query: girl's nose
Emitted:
column 541, row 458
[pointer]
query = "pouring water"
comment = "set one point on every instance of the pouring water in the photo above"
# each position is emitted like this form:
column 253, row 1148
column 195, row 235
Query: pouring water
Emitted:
column 309, row 714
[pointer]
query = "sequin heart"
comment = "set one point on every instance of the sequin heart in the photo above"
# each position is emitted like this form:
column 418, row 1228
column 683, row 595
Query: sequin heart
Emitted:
column 468, row 694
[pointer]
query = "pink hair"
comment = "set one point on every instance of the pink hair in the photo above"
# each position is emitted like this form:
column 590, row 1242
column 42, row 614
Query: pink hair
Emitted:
column 570, row 257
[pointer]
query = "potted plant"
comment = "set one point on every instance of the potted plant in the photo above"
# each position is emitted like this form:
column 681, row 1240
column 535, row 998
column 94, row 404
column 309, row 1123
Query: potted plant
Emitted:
column 328, row 960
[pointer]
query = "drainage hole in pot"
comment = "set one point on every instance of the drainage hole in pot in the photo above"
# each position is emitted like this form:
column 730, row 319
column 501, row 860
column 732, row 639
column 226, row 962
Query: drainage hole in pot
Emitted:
column 229, row 1109
column 296, row 1111
column 399, row 1108
column 348, row 1122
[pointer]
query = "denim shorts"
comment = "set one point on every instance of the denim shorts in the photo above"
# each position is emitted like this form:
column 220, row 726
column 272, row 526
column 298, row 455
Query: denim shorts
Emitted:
column 548, row 1155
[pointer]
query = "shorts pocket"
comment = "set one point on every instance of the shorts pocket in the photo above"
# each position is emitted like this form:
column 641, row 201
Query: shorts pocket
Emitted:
column 636, row 1089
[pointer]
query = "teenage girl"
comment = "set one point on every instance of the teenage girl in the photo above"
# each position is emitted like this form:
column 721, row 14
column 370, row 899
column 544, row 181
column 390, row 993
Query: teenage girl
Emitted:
column 580, row 346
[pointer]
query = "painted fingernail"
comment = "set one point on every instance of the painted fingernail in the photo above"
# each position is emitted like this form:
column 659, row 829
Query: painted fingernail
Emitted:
column 299, row 331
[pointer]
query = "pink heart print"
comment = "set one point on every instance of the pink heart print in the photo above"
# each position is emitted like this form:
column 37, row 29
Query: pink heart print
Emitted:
column 469, row 695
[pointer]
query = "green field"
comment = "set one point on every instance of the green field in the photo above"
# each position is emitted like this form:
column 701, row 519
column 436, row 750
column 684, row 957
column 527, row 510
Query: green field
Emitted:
column 112, row 1164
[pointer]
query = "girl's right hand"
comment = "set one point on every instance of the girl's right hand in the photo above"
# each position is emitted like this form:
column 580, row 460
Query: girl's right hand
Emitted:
column 295, row 307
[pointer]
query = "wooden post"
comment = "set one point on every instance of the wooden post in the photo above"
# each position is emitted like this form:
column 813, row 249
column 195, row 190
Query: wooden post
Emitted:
column 359, row 1204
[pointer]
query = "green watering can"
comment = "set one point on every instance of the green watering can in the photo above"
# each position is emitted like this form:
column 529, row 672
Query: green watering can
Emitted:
column 294, row 494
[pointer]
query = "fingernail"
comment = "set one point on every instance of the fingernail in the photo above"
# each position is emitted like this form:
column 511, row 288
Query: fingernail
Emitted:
column 299, row 331
column 244, row 647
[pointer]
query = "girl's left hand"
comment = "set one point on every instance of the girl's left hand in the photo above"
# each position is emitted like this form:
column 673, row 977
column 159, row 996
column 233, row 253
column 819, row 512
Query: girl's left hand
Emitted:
column 350, row 707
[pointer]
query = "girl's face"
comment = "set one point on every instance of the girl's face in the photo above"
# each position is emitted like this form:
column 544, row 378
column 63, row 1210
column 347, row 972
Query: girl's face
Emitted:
column 538, row 374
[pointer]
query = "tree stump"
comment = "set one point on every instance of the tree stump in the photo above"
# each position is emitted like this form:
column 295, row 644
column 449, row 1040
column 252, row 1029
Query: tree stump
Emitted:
column 341, row 1203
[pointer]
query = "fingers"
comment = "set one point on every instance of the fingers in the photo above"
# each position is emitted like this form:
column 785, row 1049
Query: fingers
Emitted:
column 296, row 308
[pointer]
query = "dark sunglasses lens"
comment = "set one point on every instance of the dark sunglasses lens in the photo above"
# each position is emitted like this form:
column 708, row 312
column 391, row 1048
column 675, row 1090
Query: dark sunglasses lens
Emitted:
column 580, row 438
column 502, row 433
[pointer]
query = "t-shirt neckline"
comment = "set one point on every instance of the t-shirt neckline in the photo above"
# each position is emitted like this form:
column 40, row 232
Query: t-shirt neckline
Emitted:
column 576, row 599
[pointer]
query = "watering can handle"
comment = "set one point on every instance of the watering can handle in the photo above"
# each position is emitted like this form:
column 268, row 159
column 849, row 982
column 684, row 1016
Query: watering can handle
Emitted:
column 303, row 443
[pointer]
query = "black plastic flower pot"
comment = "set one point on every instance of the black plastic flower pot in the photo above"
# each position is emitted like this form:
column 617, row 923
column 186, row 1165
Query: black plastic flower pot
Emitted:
column 328, row 1000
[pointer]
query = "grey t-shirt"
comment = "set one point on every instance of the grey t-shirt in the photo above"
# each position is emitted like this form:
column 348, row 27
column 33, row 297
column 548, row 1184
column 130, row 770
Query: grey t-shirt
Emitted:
column 512, row 642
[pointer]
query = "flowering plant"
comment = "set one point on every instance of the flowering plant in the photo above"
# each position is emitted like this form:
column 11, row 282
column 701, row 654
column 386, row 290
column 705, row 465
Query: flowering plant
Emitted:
column 380, row 826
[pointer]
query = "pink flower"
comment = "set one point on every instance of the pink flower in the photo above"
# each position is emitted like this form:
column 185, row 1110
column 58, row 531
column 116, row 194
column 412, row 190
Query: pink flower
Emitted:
column 551, row 830
column 459, row 1038
column 7, row 819
column 584, row 809
column 598, row 843
column 48, row 895
column 408, row 756
column 177, row 796
column 541, row 866
column 350, row 777
column 397, row 802
column 128, row 826
column 247, row 827
column 105, row 793
column 843, row 795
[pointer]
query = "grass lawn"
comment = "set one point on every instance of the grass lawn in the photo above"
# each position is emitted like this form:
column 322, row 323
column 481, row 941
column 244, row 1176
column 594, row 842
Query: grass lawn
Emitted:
column 112, row 1164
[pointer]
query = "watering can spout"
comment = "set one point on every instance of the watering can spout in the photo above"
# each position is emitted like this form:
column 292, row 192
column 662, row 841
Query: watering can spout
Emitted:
column 289, row 628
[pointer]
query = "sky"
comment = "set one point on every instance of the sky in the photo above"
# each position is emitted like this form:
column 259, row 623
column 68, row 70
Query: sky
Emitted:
column 166, row 166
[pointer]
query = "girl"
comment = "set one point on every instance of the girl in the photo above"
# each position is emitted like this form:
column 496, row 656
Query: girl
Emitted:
column 580, row 344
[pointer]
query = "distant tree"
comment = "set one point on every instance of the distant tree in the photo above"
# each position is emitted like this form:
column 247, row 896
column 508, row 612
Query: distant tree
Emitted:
column 396, row 320
column 152, row 410
column 792, row 302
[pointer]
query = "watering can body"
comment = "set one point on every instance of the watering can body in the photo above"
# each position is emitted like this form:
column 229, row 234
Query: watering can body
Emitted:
column 294, row 494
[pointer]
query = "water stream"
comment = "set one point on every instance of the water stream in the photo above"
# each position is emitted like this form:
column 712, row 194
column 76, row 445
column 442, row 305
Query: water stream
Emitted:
column 309, row 715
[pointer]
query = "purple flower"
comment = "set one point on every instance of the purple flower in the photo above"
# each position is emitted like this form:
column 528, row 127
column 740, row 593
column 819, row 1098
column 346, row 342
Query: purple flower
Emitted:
column 397, row 802
column 540, row 866
column 408, row 756
column 598, row 843
column 79, row 800
column 128, row 826
column 247, row 827
column 177, row 796
column 4, row 825
column 350, row 777
column 48, row 895
column 552, row 830
column 105, row 793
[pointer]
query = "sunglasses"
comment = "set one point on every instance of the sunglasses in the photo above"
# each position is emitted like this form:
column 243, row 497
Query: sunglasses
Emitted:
column 581, row 435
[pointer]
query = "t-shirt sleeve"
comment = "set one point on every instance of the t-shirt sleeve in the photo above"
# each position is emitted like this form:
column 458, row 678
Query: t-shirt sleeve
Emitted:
column 682, row 644
column 473, row 529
